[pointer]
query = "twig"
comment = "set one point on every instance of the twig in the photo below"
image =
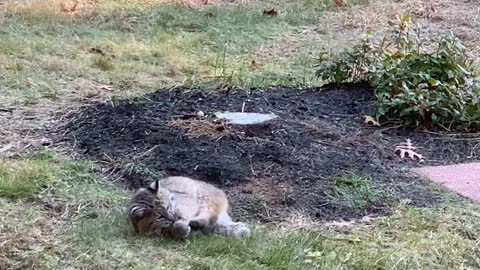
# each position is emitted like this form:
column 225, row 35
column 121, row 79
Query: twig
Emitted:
column 251, row 166
column 6, row 147
column 472, row 152
column 146, row 152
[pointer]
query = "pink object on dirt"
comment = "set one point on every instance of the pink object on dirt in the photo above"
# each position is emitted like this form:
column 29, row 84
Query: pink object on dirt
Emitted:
column 461, row 178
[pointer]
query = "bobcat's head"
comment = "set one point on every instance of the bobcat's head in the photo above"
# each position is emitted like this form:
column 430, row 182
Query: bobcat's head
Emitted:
column 152, row 209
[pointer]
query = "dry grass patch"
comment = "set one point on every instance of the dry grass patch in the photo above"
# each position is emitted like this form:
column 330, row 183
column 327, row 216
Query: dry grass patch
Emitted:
column 52, row 8
column 195, row 128
column 25, row 233
column 435, row 17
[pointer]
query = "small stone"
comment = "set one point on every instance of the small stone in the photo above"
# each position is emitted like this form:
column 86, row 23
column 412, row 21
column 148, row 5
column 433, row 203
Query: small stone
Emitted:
column 200, row 114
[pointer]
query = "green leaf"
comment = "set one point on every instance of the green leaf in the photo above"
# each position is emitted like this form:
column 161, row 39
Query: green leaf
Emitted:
column 381, row 111
column 405, row 87
column 406, row 111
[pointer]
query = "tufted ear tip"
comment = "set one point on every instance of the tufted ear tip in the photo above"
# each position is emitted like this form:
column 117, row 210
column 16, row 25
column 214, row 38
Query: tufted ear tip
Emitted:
column 153, row 187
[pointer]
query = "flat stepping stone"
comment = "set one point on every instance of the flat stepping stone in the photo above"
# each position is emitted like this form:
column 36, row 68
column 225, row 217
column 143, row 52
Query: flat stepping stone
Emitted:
column 240, row 118
column 463, row 179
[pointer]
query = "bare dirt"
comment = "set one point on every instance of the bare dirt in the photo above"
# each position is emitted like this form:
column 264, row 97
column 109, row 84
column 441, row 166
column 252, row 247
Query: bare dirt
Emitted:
column 272, row 170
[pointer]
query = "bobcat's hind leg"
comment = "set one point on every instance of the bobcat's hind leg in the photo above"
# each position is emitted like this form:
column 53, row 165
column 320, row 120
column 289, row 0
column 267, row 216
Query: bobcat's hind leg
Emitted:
column 225, row 226
column 234, row 229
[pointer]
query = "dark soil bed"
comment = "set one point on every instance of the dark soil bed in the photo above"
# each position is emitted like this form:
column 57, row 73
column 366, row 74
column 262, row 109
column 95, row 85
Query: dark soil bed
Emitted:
column 269, row 171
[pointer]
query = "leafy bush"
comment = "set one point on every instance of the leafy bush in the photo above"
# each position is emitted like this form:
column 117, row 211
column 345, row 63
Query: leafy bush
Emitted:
column 416, row 82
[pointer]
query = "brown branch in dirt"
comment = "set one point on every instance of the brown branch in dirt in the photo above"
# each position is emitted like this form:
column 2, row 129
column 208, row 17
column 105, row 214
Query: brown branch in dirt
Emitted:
column 71, row 9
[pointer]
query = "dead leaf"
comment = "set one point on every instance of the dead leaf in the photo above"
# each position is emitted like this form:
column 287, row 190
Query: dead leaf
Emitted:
column 270, row 13
column 367, row 219
column 210, row 14
column 370, row 121
column 391, row 50
column 91, row 94
column 255, row 66
column 71, row 9
column 97, row 51
column 341, row 224
column 351, row 223
column 407, row 149
column 338, row 3
column 106, row 87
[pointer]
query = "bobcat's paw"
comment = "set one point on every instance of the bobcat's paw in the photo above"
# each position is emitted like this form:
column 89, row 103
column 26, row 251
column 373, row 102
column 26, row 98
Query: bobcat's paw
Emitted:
column 203, row 225
column 181, row 229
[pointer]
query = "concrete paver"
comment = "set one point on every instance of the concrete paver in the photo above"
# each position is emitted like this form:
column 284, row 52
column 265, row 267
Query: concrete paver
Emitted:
column 460, row 178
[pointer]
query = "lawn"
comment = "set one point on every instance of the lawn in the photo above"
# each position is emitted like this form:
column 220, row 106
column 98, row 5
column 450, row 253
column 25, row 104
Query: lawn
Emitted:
column 61, row 211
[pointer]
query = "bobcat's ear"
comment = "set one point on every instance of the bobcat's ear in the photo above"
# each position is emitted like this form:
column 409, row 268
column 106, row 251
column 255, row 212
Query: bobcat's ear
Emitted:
column 154, row 187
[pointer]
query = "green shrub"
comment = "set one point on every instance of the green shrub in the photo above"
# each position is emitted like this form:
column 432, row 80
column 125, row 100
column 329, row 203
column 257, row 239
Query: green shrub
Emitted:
column 417, row 82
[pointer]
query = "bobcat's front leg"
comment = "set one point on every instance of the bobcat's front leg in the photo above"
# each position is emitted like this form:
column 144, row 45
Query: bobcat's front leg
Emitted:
column 204, row 224
column 181, row 226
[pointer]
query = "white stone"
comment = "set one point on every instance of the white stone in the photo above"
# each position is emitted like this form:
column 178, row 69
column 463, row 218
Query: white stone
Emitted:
column 239, row 118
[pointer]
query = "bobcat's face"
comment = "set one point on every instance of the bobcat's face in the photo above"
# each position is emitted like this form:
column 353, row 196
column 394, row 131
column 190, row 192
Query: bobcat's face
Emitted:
column 152, row 210
column 165, row 204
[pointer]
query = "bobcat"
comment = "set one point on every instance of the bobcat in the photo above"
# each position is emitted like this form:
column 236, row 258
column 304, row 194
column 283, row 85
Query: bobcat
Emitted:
column 173, row 206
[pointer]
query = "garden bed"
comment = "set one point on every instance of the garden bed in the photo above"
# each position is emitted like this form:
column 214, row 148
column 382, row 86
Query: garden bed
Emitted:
column 291, row 164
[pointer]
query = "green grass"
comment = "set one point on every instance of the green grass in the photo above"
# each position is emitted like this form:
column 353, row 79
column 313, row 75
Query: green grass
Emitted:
column 23, row 178
column 352, row 191
column 46, row 53
column 78, row 221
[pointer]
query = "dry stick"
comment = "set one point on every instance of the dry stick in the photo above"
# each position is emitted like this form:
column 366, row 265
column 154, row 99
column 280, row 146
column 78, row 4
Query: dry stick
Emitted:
column 251, row 166
column 112, row 170
column 452, row 134
column 472, row 152
column 6, row 147
column 266, row 210
column 146, row 152
column 219, row 138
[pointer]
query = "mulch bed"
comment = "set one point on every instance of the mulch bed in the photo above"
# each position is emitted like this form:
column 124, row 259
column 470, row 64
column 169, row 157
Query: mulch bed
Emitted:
column 271, row 170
